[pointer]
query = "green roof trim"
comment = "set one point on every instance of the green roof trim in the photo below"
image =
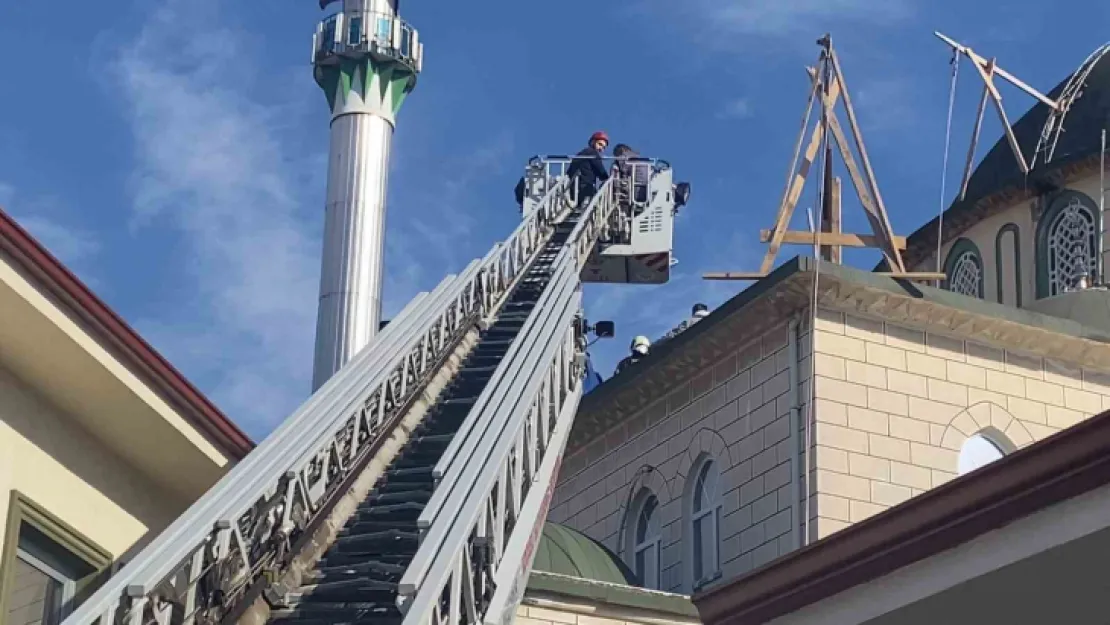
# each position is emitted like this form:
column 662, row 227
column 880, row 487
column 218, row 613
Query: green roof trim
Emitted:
column 565, row 551
column 611, row 594
column 607, row 389
column 957, row 301
column 785, row 286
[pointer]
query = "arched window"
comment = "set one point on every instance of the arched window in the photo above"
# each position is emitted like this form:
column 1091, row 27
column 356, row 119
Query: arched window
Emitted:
column 1066, row 244
column 645, row 538
column 978, row 451
column 964, row 268
column 1007, row 264
column 705, row 523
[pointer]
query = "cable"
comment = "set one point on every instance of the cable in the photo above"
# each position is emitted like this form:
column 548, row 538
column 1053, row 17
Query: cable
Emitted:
column 947, row 143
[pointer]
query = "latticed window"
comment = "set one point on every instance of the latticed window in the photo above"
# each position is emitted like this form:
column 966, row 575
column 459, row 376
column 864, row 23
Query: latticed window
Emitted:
column 966, row 277
column 964, row 268
column 1070, row 241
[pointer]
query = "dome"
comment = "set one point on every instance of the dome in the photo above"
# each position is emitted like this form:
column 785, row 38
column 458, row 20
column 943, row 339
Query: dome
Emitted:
column 564, row 551
column 998, row 174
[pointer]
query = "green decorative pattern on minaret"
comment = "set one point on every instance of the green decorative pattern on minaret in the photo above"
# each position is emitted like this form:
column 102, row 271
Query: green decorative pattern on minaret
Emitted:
column 381, row 82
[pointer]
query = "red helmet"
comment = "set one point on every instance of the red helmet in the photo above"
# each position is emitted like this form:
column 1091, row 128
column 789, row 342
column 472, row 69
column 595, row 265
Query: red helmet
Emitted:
column 599, row 136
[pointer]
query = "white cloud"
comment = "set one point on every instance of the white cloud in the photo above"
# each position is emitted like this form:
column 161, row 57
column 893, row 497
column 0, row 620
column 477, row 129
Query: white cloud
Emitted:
column 886, row 104
column 214, row 160
column 740, row 108
column 734, row 24
column 44, row 218
column 68, row 244
column 7, row 195
column 790, row 17
column 438, row 223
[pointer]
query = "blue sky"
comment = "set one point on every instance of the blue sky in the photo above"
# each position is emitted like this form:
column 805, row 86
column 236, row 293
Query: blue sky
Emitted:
column 172, row 152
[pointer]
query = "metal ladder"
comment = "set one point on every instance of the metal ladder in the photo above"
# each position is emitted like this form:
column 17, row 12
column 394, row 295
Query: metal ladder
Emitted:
column 436, row 451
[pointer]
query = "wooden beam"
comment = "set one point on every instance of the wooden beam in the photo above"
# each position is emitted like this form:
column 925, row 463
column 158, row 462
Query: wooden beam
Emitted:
column 923, row 276
column 794, row 192
column 803, row 237
column 882, row 235
column 834, row 222
column 988, row 79
column 1013, row 80
column 884, row 219
column 733, row 275
column 975, row 136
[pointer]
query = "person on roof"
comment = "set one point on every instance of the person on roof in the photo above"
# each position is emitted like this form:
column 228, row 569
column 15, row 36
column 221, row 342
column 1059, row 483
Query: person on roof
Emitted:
column 587, row 170
column 639, row 348
column 593, row 378
column 638, row 173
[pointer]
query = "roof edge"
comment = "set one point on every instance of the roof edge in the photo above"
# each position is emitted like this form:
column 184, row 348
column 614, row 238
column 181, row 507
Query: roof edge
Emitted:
column 598, row 396
column 1062, row 466
column 628, row 597
column 60, row 282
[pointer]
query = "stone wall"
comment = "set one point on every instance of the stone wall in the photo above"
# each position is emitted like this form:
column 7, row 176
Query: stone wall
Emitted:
column 738, row 413
column 895, row 406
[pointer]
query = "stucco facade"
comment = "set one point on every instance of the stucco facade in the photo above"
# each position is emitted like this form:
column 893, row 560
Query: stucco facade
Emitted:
column 895, row 406
column 903, row 380
column 736, row 413
column 102, row 442
column 59, row 466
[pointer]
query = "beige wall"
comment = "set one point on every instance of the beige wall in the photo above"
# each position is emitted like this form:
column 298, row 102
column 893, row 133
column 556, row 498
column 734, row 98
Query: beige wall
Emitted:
column 738, row 412
column 62, row 468
column 985, row 233
column 895, row 406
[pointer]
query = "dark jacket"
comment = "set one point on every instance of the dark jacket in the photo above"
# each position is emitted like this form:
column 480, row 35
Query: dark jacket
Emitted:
column 589, row 168
column 519, row 193
column 642, row 167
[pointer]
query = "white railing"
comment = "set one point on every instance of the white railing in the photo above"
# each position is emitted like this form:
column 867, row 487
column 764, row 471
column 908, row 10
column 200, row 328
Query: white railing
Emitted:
column 242, row 532
column 497, row 474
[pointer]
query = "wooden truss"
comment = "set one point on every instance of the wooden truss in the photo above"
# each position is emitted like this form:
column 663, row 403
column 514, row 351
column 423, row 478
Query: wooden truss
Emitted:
column 828, row 86
column 987, row 70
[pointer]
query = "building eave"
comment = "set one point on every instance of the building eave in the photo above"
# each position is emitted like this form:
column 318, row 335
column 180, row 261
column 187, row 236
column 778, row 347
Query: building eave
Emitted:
column 544, row 588
column 1062, row 466
column 68, row 291
column 788, row 290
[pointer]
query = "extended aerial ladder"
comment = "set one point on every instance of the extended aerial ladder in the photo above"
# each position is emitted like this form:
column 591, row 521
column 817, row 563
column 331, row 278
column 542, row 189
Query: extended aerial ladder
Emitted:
column 412, row 487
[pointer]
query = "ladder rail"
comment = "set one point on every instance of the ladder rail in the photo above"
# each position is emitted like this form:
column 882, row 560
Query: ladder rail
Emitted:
column 510, row 581
column 453, row 491
column 201, row 539
column 498, row 486
column 508, row 376
column 176, row 547
column 462, row 447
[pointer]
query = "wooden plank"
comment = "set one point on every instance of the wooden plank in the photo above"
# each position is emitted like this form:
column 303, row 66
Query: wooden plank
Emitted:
column 926, row 276
column 790, row 200
column 733, row 275
column 866, row 201
column 803, row 237
column 836, row 251
column 1006, row 129
column 974, row 140
column 882, row 215
column 1013, row 80
column 755, row 275
column 782, row 220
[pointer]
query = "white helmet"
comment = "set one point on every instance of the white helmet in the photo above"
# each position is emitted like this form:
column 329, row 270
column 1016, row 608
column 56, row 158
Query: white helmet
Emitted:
column 640, row 345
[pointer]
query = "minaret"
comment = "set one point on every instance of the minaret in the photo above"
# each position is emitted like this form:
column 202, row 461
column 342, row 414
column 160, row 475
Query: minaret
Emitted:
column 366, row 60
